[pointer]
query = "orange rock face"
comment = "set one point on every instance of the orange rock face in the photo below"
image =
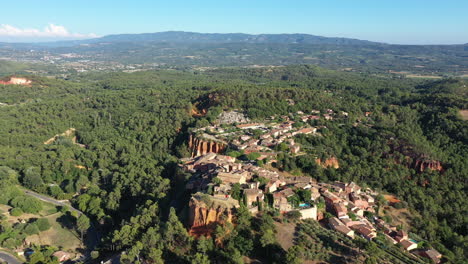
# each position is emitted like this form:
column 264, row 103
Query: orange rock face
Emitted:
column 200, row 147
column 17, row 81
column 422, row 165
column 329, row 163
column 204, row 218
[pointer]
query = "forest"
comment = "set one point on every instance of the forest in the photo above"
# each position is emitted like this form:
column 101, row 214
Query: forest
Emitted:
column 120, row 165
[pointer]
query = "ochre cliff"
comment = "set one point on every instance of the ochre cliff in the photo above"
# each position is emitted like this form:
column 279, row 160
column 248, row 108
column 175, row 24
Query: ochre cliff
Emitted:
column 206, row 212
column 412, row 158
column 17, row 81
column 328, row 163
column 422, row 164
column 201, row 145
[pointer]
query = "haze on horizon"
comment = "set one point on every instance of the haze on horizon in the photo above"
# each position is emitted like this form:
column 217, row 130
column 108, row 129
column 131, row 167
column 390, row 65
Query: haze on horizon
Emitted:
column 394, row 22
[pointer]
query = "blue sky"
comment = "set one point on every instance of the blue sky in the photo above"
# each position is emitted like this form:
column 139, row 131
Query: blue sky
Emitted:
column 391, row 21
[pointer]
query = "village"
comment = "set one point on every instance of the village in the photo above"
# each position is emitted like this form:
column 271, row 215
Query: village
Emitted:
column 231, row 179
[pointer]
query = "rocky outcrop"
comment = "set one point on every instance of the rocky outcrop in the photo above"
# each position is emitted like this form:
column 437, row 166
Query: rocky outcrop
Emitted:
column 200, row 145
column 17, row 81
column 328, row 163
column 206, row 212
column 69, row 133
column 231, row 117
column 411, row 157
column 421, row 165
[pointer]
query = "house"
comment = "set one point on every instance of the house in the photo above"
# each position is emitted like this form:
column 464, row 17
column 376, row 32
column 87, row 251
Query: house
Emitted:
column 250, row 126
column 339, row 186
column 358, row 211
column 302, row 185
column 288, row 192
column 330, row 198
column 315, row 193
column 271, row 187
column 349, row 223
column 340, row 210
column 281, row 203
column 253, row 195
column 62, row 256
column 295, row 149
column 327, row 117
column 390, row 239
column 334, row 222
column 357, row 201
column 353, row 187
column 368, row 198
column 431, row 254
column 309, row 213
column 244, row 137
column 401, row 235
column 345, row 230
column 232, row 178
column 365, row 232
column 408, row 245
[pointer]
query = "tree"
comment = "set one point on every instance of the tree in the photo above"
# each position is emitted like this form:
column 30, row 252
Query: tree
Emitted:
column 200, row 258
column 16, row 212
column 32, row 178
column 175, row 235
column 253, row 156
column 31, row 229
column 236, row 191
column 82, row 225
column 267, row 238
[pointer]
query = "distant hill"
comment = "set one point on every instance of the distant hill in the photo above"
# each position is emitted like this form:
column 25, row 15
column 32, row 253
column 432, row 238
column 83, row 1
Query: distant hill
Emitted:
column 192, row 50
column 193, row 37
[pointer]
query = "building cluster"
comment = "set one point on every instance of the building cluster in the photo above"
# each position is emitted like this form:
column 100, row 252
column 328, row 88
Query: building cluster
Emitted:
column 349, row 209
column 264, row 137
column 217, row 174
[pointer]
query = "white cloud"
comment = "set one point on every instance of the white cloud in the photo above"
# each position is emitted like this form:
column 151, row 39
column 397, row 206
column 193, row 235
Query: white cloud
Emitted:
column 50, row 31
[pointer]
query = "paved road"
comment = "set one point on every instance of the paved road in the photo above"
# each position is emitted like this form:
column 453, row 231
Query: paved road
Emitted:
column 51, row 200
column 9, row 258
column 93, row 234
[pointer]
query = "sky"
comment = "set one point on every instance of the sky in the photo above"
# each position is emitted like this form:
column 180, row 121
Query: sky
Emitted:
column 389, row 21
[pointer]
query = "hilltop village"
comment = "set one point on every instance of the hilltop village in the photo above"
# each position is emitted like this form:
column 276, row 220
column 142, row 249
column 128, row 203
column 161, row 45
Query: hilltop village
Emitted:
column 231, row 165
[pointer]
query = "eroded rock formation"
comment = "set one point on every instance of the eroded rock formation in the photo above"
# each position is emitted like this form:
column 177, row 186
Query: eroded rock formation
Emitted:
column 206, row 211
column 329, row 163
column 17, row 81
column 69, row 133
column 412, row 159
column 421, row 165
column 204, row 144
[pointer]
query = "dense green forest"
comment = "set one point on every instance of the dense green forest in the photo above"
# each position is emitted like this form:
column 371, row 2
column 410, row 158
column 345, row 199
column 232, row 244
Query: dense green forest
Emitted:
column 131, row 130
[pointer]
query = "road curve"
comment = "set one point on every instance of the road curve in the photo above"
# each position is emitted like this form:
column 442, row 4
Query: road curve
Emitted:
column 92, row 231
column 51, row 200
column 10, row 259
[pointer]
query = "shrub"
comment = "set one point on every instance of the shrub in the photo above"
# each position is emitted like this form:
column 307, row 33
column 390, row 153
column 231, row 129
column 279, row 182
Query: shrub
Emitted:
column 94, row 254
column 43, row 224
column 31, row 229
column 27, row 204
column 16, row 212
column 55, row 191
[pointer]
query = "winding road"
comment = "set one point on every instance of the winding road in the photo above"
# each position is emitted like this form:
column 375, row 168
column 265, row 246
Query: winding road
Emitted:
column 10, row 259
column 93, row 234
column 51, row 200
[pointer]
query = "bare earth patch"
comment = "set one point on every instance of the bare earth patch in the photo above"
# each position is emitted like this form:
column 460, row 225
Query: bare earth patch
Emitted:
column 57, row 235
column 464, row 114
column 285, row 234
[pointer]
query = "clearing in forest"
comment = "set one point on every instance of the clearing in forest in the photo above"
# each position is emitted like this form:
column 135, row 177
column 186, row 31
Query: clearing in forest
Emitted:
column 464, row 114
